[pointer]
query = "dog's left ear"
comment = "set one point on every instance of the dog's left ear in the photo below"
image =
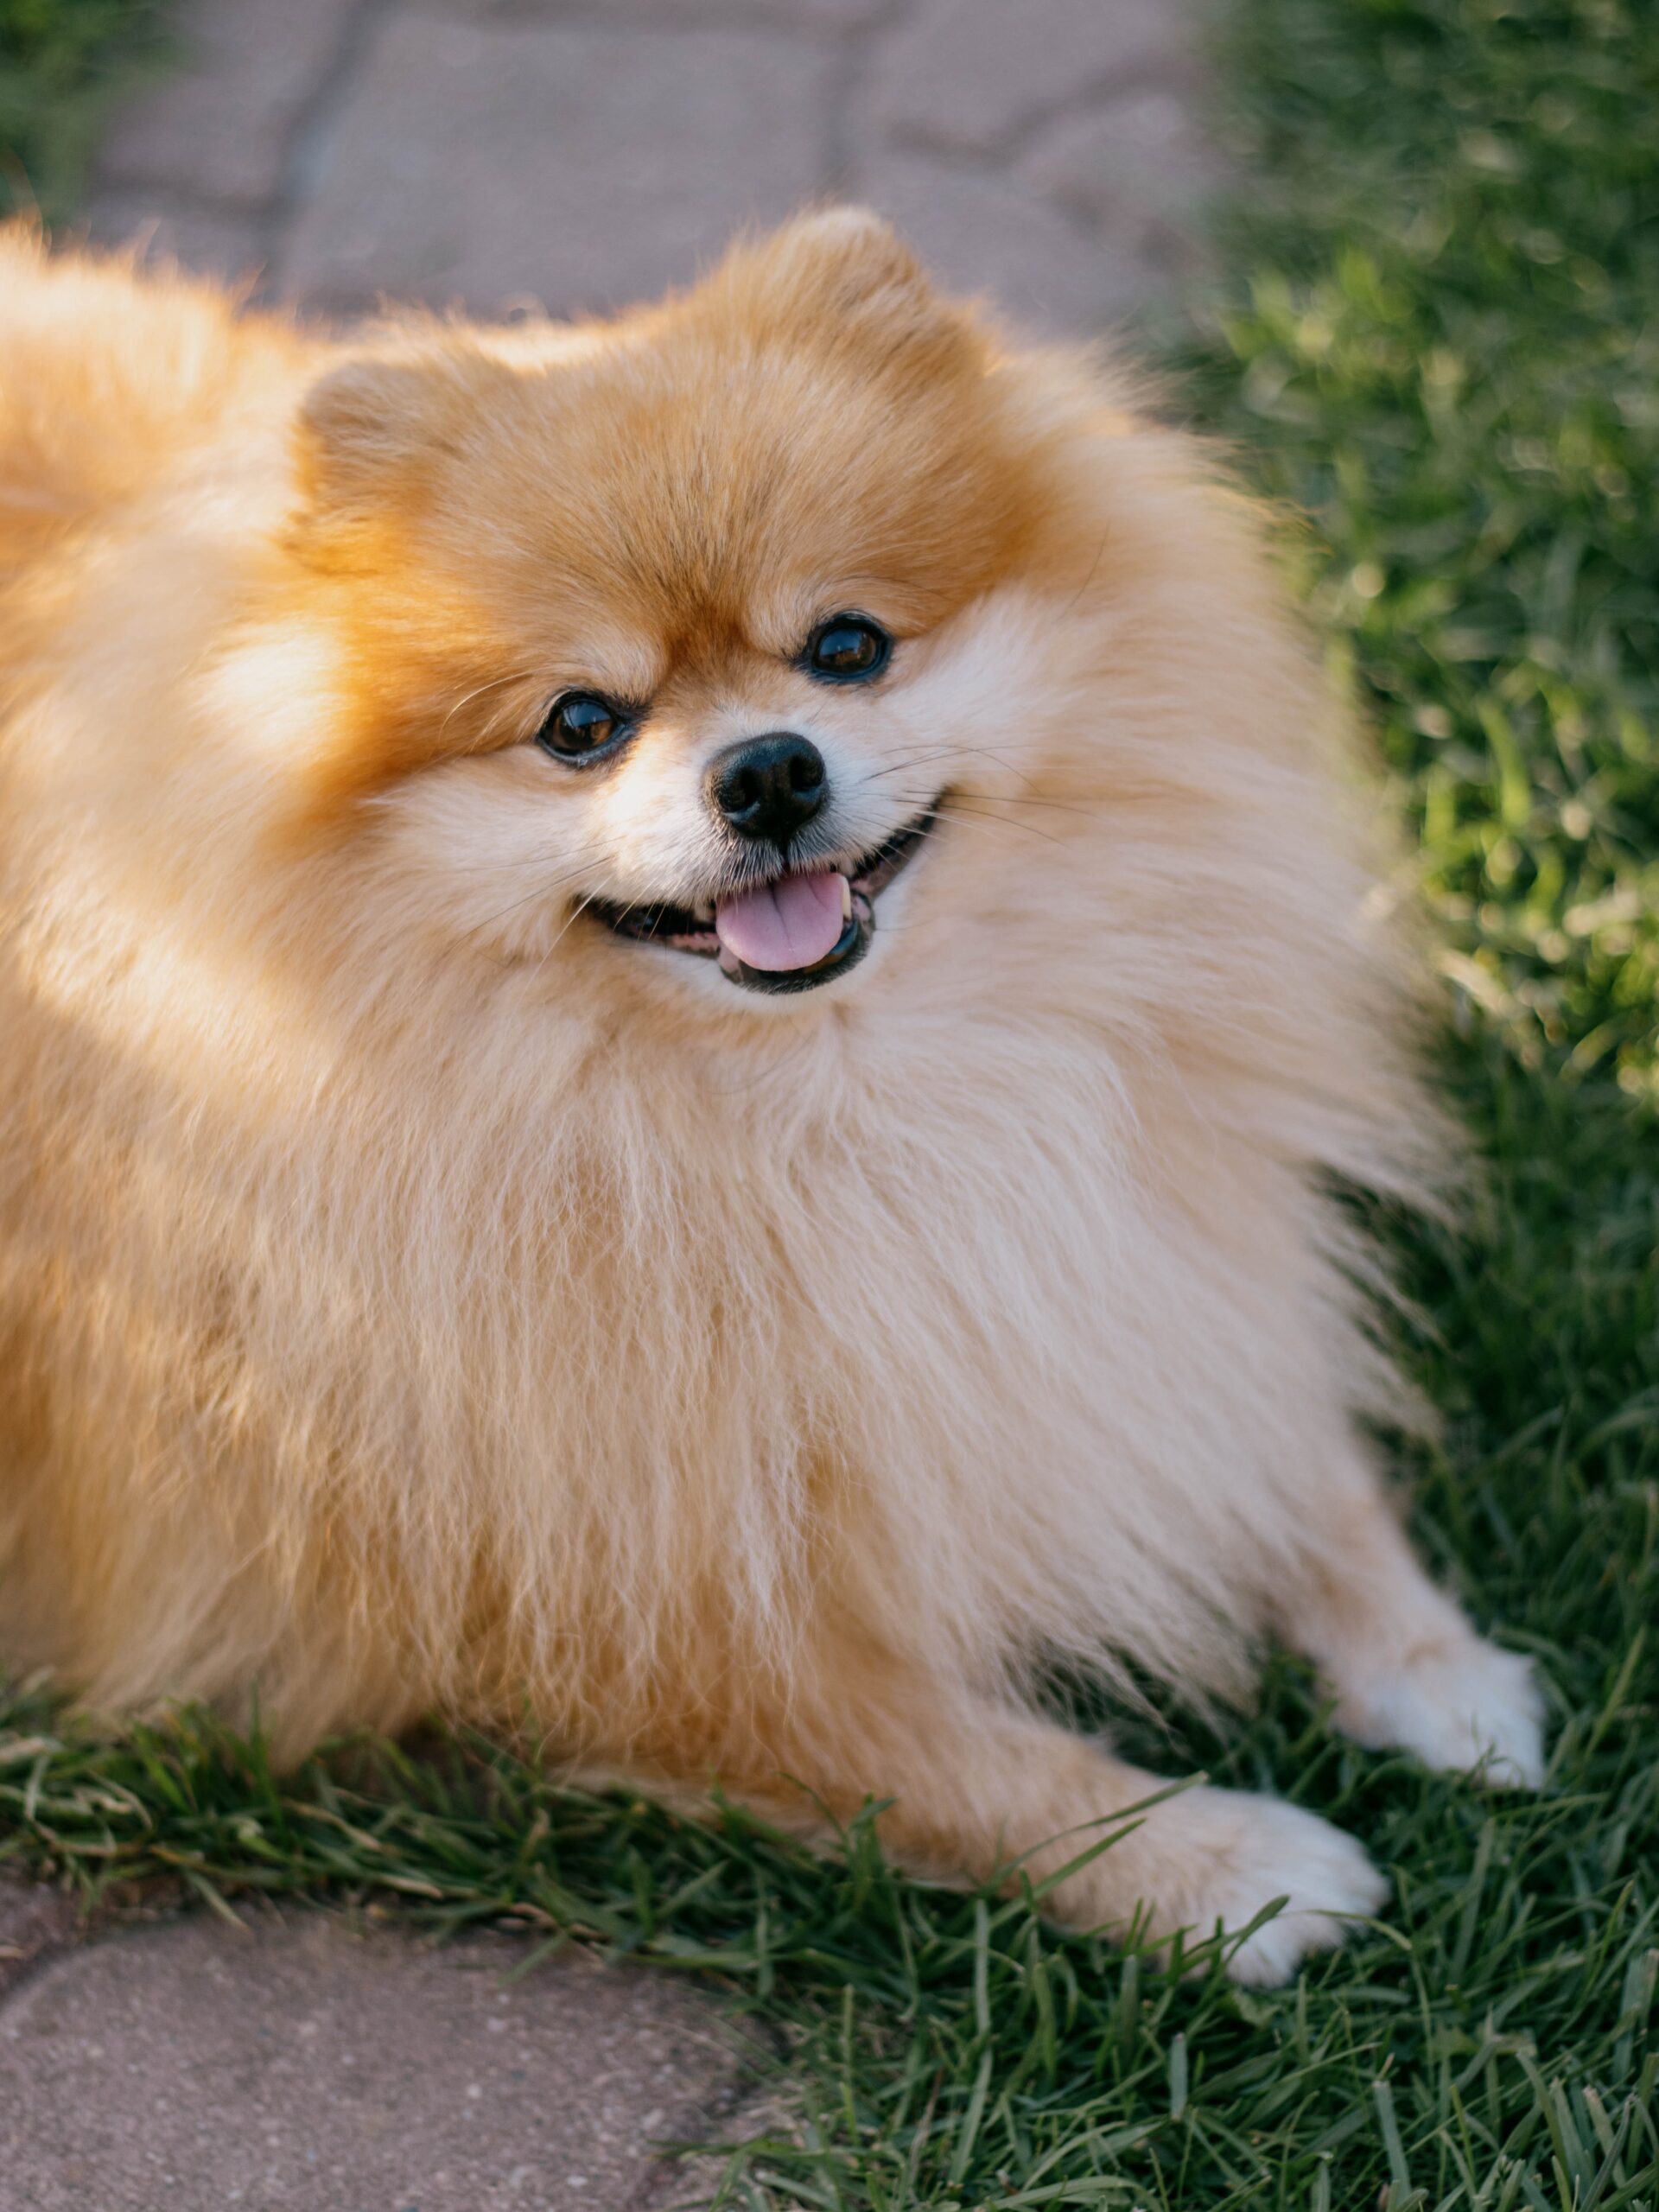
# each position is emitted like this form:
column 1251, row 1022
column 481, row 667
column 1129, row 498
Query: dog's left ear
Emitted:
column 845, row 271
column 847, row 258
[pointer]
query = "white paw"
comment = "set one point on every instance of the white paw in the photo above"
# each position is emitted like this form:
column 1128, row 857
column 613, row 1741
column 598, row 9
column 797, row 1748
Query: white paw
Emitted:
column 1463, row 1707
column 1222, row 1854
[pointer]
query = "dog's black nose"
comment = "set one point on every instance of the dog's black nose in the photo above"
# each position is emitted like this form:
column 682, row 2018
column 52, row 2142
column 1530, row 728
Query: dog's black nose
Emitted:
column 768, row 787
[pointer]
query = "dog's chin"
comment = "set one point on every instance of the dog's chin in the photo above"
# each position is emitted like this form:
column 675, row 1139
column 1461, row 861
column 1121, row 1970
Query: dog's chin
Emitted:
column 692, row 936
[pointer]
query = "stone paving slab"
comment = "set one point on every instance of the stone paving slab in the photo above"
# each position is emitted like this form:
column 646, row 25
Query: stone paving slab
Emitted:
column 219, row 127
column 34, row 1920
column 657, row 15
column 583, row 153
column 971, row 74
column 566, row 154
column 306, row 2067
column 1137, row 169
column 981, row 231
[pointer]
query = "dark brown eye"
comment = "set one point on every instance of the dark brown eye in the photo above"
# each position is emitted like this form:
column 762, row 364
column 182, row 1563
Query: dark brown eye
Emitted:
column 581, row 725
column 847, row 649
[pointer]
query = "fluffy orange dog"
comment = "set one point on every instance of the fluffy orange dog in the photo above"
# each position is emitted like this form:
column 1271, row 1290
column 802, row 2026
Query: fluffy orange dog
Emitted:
column 677, row 999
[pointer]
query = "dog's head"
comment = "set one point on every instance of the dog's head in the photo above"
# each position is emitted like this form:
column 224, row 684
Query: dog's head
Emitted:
column 693, row 640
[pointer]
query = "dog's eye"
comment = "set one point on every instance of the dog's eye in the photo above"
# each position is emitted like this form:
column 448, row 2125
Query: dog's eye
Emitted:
column 580, row 726
column 847, row 649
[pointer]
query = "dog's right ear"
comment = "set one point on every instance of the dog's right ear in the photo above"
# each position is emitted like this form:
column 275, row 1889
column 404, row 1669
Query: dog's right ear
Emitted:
column 374, row 431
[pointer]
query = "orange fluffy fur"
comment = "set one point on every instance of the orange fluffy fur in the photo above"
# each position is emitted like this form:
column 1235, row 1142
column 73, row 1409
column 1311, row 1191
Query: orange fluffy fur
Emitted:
column 414, row 1297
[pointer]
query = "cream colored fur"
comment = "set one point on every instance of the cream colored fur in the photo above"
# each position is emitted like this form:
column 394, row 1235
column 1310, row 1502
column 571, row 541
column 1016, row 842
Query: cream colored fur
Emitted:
column 413, row 1298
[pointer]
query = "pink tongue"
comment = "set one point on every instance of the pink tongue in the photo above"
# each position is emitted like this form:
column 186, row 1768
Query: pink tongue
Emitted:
column 787, row 924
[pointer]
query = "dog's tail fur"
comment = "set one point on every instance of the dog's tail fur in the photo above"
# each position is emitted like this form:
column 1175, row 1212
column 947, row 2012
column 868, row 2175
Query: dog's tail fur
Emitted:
column 103, row 383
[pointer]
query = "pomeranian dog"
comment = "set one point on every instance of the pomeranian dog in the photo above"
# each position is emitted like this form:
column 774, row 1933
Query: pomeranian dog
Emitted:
column 681, row 998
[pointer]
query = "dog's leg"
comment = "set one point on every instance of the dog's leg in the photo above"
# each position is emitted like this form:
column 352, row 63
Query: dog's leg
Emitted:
column 976, row 1785
column 1404, row 1665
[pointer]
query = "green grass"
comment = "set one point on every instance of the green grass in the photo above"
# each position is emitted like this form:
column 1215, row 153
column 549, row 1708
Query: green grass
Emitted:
column 1439, row 336
column 61, row 61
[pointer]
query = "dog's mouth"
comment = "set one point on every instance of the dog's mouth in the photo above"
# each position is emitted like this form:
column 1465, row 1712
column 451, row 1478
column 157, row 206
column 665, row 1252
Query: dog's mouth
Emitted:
column 789, row 933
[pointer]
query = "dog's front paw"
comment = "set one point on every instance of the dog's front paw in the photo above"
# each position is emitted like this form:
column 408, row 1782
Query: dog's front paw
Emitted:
column 1462, row 1706
column 1222, row 1854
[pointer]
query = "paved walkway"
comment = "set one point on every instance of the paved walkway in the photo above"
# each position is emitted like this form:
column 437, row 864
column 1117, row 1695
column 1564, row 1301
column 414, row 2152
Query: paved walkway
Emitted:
column 582, row 155
column 585, row 153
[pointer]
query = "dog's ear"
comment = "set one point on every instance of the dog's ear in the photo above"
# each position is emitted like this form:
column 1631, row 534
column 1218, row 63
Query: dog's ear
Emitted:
column 844, row 258
column 373, row 431
column 845, row 271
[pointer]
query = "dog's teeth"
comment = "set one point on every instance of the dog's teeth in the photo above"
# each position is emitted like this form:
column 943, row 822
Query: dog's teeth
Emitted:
column 846, row 900
column 704, row 910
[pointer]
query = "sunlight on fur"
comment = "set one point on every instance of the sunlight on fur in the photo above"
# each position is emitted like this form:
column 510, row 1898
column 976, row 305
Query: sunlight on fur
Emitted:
column 445, row 1266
